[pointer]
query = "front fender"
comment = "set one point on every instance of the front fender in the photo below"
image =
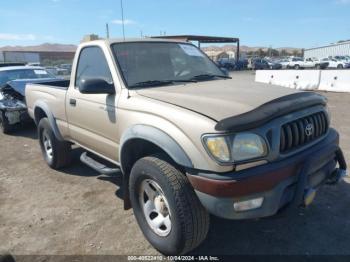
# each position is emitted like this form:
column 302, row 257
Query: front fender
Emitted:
column 159, row 138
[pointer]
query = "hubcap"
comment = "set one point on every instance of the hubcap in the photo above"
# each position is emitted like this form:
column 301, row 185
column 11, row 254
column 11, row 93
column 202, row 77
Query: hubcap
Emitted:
column 155, row 207
column 47, row 145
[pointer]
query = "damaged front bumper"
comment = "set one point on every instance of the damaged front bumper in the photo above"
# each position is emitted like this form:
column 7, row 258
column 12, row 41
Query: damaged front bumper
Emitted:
column 14, row 110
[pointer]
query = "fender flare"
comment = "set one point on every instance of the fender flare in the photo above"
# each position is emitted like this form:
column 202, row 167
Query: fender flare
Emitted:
column 43, row 106
column 160, row 139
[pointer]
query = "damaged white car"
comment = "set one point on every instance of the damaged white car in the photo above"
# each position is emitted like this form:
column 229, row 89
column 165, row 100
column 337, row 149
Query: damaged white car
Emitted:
column 13, row 79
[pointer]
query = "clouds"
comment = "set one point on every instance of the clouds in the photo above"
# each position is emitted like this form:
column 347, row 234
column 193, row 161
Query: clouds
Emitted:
column 126, row 22
column 18, row 37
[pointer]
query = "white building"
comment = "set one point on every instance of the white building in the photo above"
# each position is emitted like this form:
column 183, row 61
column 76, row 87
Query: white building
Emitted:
column 338, row 49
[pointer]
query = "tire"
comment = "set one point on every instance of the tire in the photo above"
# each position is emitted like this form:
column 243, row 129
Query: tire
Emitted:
column 189, row 221
column 5, row 127
column 318, row 67
column 57, row 154
column 297, row 67
column 340, row 66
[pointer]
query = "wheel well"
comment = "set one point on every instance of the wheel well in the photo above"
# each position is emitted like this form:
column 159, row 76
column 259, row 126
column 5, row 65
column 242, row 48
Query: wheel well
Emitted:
column 137, row 148
column 39, row 114
column 134, row 150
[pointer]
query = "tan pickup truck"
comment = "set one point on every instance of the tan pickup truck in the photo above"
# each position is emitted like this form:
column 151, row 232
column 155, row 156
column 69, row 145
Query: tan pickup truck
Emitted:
column 188, row 140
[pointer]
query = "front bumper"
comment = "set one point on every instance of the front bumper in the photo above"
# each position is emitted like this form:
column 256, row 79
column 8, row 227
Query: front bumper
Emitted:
column 282, row 184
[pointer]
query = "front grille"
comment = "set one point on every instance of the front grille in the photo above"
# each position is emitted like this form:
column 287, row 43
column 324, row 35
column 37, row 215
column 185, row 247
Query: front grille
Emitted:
column 302, row 131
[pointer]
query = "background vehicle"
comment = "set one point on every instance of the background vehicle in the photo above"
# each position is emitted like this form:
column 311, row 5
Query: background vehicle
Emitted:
column 274, row 64
column 229, row 64
column 13, row 79
column 315, row 63
column 295, row 63
column 188, row 139
column 259, row 63
column 334, row 63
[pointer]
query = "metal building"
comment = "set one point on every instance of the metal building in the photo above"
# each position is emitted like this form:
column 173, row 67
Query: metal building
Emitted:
column 338, row 49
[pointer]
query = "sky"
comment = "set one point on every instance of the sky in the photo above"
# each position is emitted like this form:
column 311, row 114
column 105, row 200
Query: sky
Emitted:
column 271, row 23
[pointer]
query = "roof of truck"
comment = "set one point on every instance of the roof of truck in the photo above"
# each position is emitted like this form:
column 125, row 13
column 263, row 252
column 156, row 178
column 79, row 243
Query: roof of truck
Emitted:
column 147, row 39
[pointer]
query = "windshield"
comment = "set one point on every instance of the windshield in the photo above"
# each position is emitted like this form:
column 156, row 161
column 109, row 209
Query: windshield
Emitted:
column 154, row 62
column 9, row 75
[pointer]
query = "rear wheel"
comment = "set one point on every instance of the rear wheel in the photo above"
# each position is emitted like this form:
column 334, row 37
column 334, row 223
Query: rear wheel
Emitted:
column 5, row 126
column 56, row 153
column 297, row 67
column 166, row 207
column 340, row 66
column 318, row 66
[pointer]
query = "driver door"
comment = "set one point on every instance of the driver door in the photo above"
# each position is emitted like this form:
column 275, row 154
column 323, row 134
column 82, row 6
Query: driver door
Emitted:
column 92, row 118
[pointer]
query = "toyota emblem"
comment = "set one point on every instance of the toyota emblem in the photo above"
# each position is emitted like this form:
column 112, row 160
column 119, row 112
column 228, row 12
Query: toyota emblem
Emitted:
column 309, row 129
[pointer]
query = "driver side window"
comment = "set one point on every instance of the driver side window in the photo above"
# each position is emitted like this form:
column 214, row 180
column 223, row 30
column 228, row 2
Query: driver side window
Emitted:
column 92, row 64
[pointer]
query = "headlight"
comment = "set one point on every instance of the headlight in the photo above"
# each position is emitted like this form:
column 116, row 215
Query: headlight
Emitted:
column 248, row 146
column 236, row 148
column 217, row 146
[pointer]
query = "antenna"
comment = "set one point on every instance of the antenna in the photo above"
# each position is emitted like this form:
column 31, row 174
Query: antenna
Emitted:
column 121, row 6
column 107, row 31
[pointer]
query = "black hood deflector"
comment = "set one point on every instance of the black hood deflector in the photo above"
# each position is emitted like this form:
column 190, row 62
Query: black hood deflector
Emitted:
column 271, row 110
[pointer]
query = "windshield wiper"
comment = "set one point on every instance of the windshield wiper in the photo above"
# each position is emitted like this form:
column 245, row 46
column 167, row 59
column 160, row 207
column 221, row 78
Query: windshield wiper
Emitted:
column 208, row 76
column 160, row 82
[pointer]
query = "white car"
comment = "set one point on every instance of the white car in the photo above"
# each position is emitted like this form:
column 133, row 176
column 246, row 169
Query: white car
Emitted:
column 299, row 63
column 334, row 63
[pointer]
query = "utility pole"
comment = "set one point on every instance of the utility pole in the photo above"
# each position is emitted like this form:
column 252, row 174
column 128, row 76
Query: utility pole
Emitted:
column 107, row 31
column 121, row 6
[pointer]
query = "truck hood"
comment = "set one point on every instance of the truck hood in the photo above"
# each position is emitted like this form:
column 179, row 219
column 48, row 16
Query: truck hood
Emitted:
column 217, row 99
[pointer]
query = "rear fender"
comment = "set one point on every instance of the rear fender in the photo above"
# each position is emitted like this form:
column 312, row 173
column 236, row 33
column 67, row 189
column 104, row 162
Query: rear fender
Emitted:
column 44, row 107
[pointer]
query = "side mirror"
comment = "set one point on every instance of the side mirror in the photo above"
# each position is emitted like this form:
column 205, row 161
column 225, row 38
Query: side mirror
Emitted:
column 96, row 86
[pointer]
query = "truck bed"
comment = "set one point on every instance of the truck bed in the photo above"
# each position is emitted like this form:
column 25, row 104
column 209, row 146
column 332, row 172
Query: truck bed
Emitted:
column 52, row 95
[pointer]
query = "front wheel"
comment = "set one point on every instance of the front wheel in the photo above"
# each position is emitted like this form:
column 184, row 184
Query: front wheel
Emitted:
column 340, row 66
column 166, row 207
column 56, row 153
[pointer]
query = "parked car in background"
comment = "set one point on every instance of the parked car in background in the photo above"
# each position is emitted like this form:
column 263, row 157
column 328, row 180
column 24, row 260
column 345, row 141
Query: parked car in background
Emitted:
column 65, row 68
column 52, row 70
column 284, row 62
column 273, row 64
column 232, row 64
column 227, row 63
column 242, row 64
column 34, row 64
column 259, row 63
column 313, row 62
column 295, row 63
column 13, row 79
column 342, row 58
column 334, row 63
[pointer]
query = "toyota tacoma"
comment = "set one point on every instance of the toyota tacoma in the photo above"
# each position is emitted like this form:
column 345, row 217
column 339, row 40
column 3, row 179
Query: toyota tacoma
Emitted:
column 188, row 140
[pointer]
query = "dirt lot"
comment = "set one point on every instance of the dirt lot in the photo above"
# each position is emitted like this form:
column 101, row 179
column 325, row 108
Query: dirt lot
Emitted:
column 77, row 211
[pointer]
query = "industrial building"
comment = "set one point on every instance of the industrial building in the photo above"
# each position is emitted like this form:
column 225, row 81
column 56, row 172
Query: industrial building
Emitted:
column 37, row 54
column 337, row 49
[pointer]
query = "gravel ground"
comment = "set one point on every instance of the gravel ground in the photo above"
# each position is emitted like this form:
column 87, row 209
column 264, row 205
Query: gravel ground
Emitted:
column 78, row 212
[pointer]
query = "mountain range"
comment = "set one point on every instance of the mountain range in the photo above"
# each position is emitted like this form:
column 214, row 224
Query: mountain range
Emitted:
column 48, row 47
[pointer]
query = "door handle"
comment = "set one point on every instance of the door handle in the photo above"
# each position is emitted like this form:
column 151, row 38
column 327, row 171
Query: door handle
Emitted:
column 73, row 102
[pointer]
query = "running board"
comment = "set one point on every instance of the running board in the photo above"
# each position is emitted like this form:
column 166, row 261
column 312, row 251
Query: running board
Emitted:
column 97, row 166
